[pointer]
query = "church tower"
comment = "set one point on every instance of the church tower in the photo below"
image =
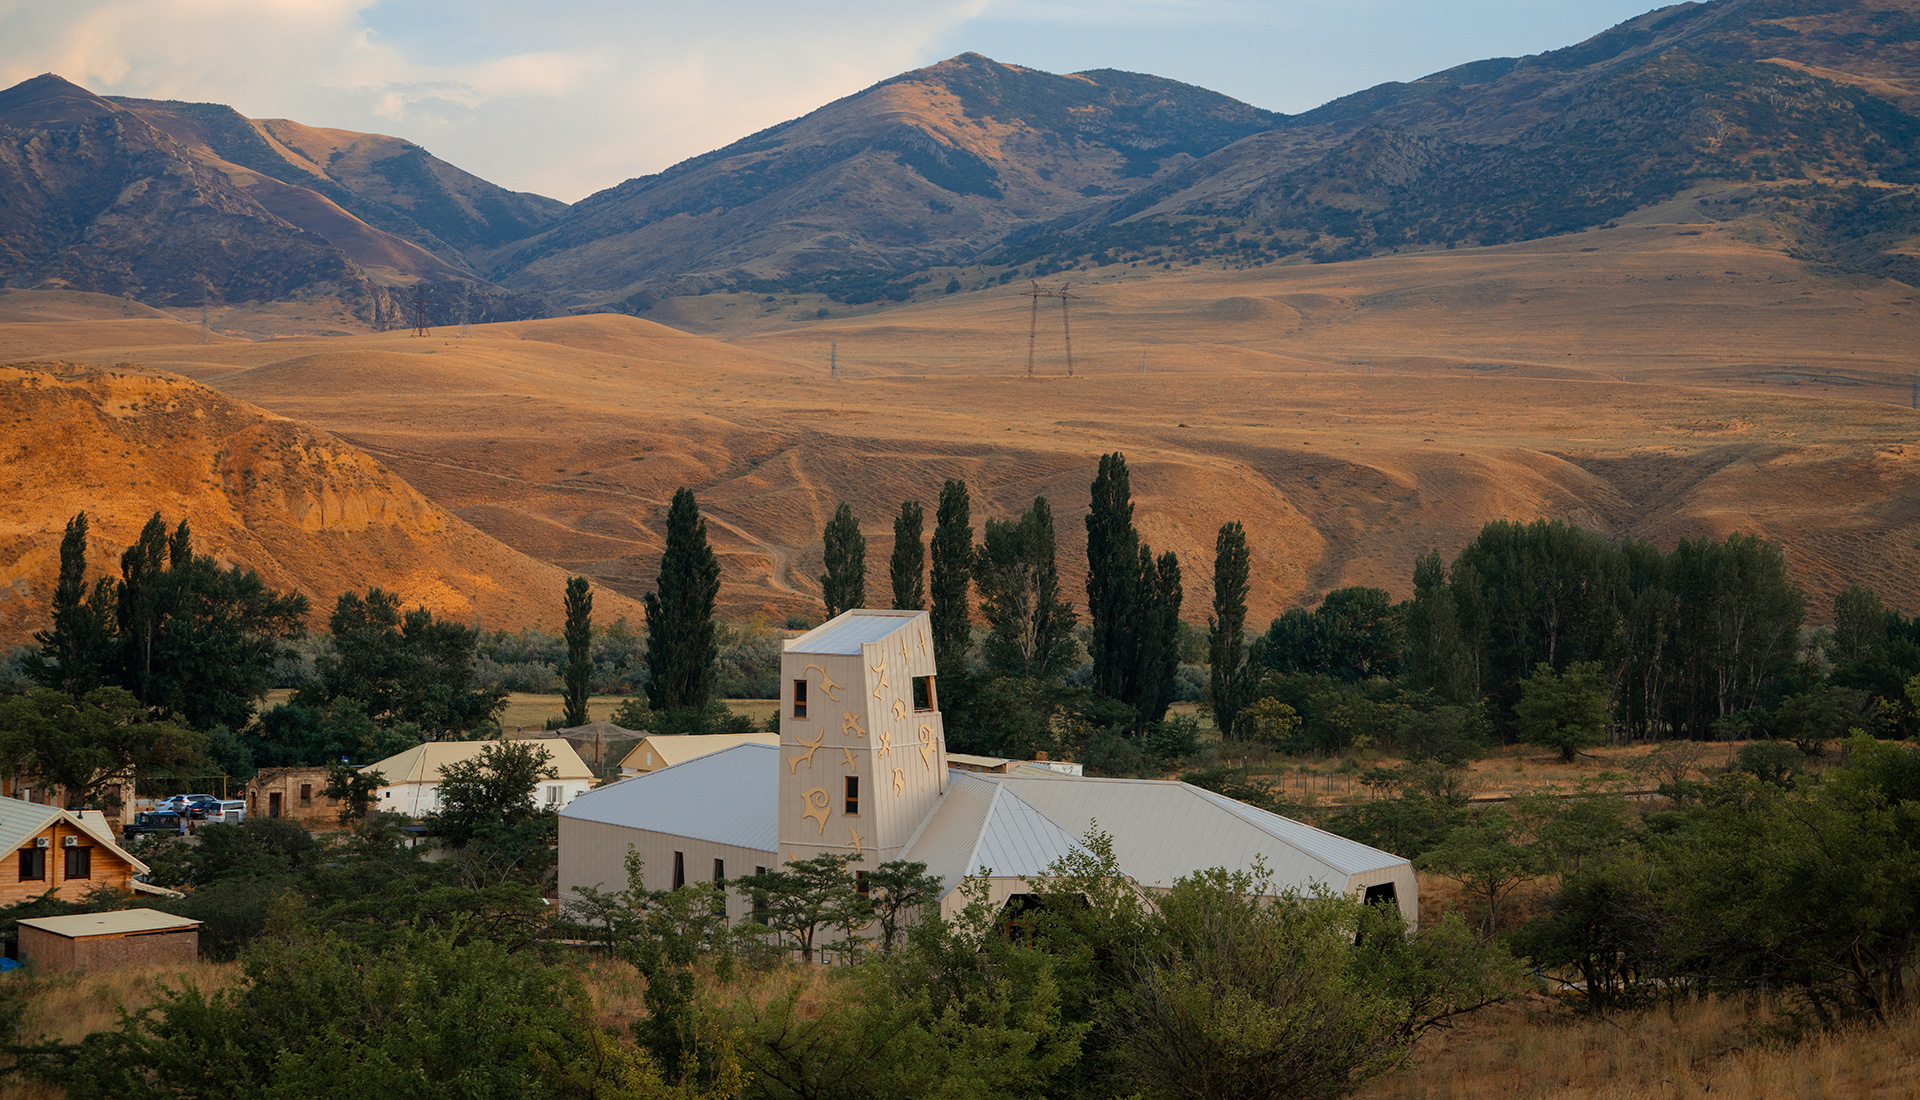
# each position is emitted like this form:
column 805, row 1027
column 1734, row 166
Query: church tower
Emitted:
column 863, row 752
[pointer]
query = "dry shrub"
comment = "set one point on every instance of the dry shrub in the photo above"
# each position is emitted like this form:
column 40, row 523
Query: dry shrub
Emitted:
column 1535, row 1051
column 65, row 1008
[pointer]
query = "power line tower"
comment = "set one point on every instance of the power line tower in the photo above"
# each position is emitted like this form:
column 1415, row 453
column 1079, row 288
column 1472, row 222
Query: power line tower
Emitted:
column 1033, row 323
column 420, row 309
column 466, row 308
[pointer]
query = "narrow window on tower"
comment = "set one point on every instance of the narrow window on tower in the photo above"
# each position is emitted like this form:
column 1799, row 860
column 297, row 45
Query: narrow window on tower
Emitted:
column 679, row 870
column 799, row 698
column 860, row 883
column 853, row 796
column 923, row 694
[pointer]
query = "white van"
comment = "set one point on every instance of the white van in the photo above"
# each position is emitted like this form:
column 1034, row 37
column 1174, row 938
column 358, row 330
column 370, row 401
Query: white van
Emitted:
column 227, row 811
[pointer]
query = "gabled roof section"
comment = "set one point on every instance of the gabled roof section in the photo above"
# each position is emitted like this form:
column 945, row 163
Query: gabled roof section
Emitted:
column 423, row 763
column 678, row 748
column 21, row 820
column 845, row 633
column 727, row 797
column 1163, row 830
column 983, row 825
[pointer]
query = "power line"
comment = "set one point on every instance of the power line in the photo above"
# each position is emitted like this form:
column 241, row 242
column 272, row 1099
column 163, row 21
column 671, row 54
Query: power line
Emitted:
column 420, row 308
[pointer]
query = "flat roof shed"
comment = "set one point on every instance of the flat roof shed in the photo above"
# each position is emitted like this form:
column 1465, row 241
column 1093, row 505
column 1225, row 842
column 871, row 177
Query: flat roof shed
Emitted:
column 94, row 941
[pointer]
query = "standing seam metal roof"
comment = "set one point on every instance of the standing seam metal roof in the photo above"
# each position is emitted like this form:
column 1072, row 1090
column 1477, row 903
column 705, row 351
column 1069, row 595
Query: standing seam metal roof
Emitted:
column 844, row 634
column 979, row 825
column 728, row 797
column 1163, row 829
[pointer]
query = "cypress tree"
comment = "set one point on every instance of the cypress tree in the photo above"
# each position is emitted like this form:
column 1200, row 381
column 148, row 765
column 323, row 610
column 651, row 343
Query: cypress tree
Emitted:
column 1113, row 572
column 681, row 647
column 140, row 606
column 1158, row 597
column 579, row 650
column 75, row 651
column 909, row 562
column 844, row 585
column 952, row 570
column 1226, row 628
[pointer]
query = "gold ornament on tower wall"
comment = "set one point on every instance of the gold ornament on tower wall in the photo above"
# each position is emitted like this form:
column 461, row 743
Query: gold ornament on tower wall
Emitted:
column 926, row 745
column 827, row 686
column 817, row 803
column 850, row 723
column 813, row 746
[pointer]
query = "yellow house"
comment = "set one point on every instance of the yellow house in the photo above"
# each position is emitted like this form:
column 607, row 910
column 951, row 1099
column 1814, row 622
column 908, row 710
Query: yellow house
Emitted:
column 664, row 750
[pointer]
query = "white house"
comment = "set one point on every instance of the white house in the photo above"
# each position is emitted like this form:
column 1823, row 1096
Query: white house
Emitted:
column 861, row 769
column 412, row 779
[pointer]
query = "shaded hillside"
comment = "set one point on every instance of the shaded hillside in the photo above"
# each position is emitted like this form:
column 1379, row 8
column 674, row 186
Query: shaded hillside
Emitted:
column 929, row 167
column 178, row 204
column 1793, row 116
column 307, row 511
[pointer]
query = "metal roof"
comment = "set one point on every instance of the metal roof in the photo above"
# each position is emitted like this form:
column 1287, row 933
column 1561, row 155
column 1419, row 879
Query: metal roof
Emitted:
column 1163, row 830
column 727, row 797
column 21, row 820
column 981, row 825
column 845, row 633
column 124, row 922
column 423, row 763
column 678, row 748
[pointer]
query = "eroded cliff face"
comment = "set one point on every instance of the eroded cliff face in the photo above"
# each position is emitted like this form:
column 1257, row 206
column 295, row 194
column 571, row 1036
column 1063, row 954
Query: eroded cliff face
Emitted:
column 307, row 511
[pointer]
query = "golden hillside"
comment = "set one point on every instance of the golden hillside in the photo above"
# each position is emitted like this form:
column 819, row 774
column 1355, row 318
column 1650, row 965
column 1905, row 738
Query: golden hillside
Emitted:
column 307, row 511
column 1351, row 415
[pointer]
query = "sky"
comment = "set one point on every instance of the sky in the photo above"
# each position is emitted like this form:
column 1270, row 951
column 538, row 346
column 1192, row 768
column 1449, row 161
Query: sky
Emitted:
column 565, row 97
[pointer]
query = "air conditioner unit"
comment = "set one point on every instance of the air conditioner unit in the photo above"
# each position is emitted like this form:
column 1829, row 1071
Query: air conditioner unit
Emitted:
column 43, row 842
column 70, row 842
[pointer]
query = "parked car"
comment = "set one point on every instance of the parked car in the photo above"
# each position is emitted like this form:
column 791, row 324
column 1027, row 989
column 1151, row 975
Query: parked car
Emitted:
column 156, row 821
column 226, row 811
column 200, row 806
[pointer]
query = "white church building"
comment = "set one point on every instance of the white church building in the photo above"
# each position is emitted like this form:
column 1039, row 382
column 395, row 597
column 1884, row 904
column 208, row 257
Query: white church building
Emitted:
column 861, row 769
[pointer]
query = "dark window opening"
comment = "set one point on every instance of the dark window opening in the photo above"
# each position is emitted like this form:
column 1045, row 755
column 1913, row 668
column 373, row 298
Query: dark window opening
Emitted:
column 306, row 794
column 679, row 870
column 33, row 865
column 79, row 862
column 860, row 883
column 923, row 697
column 1018, row 918
column 273, row 803
column 759, row 900
column 853, row 796
column 1381, row 893
column 799, row 698
column 720, row 880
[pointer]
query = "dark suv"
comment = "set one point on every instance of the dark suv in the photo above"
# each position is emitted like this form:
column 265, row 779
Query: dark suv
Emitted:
column 156, row 821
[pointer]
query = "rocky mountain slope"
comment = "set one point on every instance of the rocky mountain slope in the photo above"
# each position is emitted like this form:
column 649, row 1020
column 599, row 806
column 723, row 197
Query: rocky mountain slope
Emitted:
column 1794, row 118
column 307, row 511
column 182, row 204
column 927, row 168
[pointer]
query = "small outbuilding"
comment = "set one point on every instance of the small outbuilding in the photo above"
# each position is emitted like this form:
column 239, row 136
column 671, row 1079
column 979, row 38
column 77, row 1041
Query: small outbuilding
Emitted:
column 99, row 941
column 292, row 792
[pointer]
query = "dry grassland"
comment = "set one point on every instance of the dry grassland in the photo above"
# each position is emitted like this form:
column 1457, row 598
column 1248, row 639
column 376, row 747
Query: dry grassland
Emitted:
column 66, row 1008
column 1351, row 415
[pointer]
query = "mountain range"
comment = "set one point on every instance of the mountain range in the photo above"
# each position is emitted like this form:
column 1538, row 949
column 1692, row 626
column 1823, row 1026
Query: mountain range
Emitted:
column 1792, row 120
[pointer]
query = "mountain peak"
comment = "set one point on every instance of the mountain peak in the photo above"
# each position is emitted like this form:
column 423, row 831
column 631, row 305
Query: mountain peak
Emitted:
column 50, row 99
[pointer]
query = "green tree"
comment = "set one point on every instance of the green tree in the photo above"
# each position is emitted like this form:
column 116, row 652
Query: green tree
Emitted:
column 1030, row 624
column 908, row 565
column 681, row 646
column 1486, row 858
column 358, row 792
column 952, row 554
column 1437, row 658
column 1157, row 598
column 1230, row 686
column 579, row 673
column 806, row 896
column 488, row 810
column 89, row 745
column 1113, row 573
column 634, row 714
column 1566, row 711
column 844, row 585
column 403, row 669
column 899, row 891
column 76, row 653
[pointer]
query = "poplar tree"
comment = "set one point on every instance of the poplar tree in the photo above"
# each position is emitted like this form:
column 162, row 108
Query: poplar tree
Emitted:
column 1113, row 572
column 1226, row 628
column 952, row 571
column 682, row 649
column 1158, row 597
column 909, row 563
column 579, row 650
column 76, row 650
column 1031, row 626
column 844, row 585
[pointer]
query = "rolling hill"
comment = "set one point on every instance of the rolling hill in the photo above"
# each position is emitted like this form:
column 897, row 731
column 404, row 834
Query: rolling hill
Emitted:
column 308, row 512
